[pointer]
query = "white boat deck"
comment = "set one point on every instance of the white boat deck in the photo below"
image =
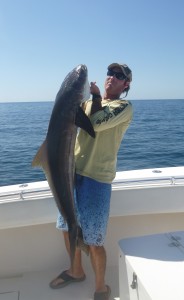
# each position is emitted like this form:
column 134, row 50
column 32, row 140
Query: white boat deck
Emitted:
column 35, row 286
column 32, row 251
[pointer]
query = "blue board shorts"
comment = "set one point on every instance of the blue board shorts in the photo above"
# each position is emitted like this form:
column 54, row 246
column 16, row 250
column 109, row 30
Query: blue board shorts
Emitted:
column 92, row 202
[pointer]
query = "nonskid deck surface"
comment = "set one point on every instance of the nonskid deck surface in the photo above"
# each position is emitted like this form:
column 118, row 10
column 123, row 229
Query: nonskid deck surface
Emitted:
column 35, row 286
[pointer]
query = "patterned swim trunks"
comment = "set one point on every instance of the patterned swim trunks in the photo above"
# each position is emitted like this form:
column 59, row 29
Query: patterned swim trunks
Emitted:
column 92, row 201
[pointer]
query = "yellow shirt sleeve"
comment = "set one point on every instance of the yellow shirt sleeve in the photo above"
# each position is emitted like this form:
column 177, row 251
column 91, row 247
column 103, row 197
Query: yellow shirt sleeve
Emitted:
column 113, row 113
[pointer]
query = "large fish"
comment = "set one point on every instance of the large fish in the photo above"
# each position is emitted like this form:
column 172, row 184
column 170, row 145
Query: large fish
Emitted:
column 56, row 154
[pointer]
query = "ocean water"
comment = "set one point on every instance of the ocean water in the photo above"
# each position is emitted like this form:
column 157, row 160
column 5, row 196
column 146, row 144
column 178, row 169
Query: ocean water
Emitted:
column 154, row 139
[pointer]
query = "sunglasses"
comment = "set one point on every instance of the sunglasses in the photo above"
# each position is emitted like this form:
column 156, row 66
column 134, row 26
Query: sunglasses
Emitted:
column 118, row 75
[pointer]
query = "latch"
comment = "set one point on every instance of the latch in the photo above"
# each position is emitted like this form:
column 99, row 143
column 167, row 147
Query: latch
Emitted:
column 134, row 281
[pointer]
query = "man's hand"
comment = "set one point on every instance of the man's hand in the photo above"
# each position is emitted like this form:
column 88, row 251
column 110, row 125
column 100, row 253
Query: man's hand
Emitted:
column 94, row 89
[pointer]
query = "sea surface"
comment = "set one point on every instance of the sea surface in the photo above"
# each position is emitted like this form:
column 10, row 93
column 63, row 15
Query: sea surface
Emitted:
column 155, row 138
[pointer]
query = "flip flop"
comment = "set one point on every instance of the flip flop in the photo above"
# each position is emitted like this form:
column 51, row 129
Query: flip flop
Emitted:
column 103, row 295
column 67, row 279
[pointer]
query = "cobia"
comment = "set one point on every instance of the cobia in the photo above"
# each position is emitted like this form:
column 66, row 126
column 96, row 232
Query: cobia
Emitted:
column 56, row 154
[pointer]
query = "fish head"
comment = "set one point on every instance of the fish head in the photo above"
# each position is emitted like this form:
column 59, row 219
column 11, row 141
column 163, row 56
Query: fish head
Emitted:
column 76, row 85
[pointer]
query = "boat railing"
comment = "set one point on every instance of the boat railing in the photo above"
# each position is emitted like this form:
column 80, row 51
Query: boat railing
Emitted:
column 36, row 191
column 148, row 182
column 25, row 193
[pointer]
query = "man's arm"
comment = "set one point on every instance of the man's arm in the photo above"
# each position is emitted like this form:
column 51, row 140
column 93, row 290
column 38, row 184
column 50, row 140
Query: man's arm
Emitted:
column 118, row 112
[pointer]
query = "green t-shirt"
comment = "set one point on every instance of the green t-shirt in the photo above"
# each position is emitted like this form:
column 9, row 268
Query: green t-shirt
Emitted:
column 97, row 157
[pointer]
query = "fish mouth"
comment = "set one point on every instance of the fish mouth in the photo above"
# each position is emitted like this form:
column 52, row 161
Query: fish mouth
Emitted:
column 86, row 90
column 82, row 68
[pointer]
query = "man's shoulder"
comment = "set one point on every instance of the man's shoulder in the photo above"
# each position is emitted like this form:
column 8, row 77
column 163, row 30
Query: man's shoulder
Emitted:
column 125, row 101
column 119, row 103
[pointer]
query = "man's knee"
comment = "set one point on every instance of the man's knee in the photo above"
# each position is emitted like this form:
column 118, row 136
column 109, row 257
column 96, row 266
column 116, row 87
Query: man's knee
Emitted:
column 96, row 249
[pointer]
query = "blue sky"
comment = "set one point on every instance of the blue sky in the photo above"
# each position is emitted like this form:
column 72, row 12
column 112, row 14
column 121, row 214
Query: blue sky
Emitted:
column 42, row 40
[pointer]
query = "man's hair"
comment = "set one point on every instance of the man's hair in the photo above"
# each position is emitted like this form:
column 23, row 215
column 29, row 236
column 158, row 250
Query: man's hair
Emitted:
column 126, row 90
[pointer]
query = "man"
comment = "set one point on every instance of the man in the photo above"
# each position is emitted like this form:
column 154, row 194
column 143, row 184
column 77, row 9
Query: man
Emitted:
column 95, row 170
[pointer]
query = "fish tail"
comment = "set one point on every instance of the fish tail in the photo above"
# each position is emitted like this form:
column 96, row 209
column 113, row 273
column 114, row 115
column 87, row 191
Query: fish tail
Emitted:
column 80, row 242
column 73, row 242
column 76, row 241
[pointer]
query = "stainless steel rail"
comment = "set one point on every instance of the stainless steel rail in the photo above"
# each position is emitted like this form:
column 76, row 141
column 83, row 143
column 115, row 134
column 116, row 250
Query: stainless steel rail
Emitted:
column 24, row 192
column 147, row 182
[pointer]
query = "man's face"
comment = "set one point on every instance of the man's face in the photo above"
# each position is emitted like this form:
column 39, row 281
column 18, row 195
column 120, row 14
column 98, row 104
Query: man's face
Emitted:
column 114, row 85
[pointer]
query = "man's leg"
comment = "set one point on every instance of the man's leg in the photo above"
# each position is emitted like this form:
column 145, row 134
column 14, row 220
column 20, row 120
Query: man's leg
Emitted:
column 93, row 199
column 98, row 260
column 76, row 271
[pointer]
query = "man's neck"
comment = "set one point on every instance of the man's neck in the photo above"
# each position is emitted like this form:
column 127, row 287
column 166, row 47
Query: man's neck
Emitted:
column 107, row 96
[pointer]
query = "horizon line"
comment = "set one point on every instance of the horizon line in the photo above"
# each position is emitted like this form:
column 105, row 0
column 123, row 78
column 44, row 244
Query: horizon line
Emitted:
column 38, row 101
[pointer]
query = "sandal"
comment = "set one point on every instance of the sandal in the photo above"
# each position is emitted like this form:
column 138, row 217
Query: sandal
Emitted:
column 103, row 295
column 67, row 279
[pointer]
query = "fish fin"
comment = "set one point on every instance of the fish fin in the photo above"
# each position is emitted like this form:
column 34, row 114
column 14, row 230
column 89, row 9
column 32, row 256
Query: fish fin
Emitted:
column 84, row 122
column 40, row 159
column 80, row 242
